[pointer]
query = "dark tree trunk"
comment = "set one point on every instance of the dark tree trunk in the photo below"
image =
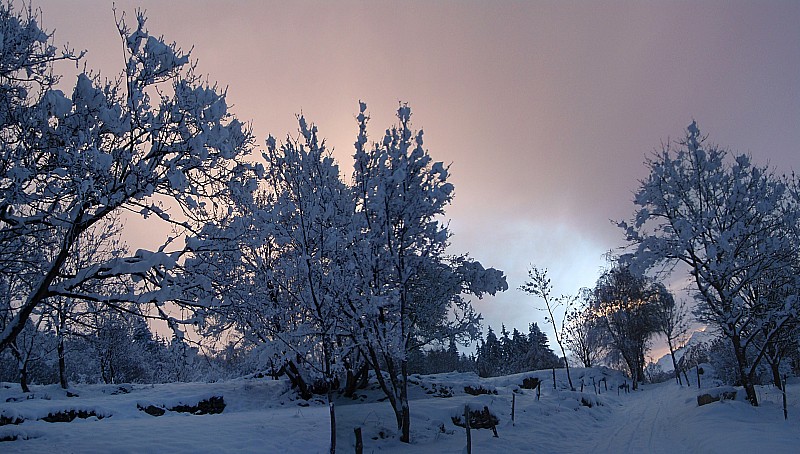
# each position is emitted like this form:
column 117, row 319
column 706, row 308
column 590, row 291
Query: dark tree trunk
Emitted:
column 633, row 369
column 349, row 383
column 297, row 381
column 356, row 379
column 22, row 366
column 23, row 379
column 330, row 382
column 741, row 360
column 404, row 409
column 103, row 373
column 62, row 364
column 640, row 366
column 396, row 391
column 674, row 362
column 774, row 360
column 107, row 370
column 776, row 374
column 389, row 389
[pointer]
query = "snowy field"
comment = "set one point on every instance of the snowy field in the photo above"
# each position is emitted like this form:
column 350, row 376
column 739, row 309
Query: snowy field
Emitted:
column 262, row 415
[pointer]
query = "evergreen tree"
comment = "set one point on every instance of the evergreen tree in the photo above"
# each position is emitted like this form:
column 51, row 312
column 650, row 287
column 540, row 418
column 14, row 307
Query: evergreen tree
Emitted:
column 514, row 352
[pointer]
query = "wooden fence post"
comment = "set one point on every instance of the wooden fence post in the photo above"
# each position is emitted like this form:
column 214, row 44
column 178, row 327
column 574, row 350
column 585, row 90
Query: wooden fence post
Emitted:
column 785, row 410
column 466, row 426
column 513, row 406
column 359, row 441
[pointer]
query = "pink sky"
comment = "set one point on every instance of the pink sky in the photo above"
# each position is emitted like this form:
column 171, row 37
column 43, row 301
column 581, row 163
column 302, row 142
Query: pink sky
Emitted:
column 545, row 109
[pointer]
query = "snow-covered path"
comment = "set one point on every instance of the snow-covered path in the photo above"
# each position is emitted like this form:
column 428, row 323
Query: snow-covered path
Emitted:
column 645, row 422
column 665, row 418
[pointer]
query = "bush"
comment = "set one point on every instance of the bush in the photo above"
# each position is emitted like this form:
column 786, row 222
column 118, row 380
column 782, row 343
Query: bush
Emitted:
column 530, row 383
column 479, row 390
column 478, row 419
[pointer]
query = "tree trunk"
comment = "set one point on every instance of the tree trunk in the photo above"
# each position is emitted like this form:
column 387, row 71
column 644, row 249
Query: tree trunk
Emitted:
column 674, row 362
column 103, row 371
column 62, row 364
column 359, row 441
column 566, row 365
column 640, row 367
column 329, row 382
column 741, row 360
column 633, row 369
column 776, row 374
column 400, row 402
column 356, row 379
column 22, row 365
column 405, row 410
column 774, row 360
column 23, row 378
column 297, row 381
column 349, row 382
column 385, row 387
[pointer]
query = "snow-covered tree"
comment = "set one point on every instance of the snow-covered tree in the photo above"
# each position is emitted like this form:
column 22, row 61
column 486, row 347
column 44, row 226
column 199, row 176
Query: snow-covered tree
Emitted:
column 310, row 211
column 436, row 360
column 515, row 352
column 539, row 354
column 68, row 162
column 326, row 277
column 283, row 264
column 401, row 194
column 672, row 319
column 777, row 344
column 734, row 225
column 489, row 355
column 119, row 359
column 66, row 317
column 624, row 306
column 29, row 347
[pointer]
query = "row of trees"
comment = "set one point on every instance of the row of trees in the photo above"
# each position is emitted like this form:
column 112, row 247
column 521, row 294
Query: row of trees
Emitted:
column 511, row 353
column 613, row 323
column 514, row 352
column 438, row 360
column 734, row 228
column 118, row 350
column 333, row 280
column 325, row 280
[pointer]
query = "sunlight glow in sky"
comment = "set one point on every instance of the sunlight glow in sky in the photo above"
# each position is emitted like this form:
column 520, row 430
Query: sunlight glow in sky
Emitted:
column 546, row 110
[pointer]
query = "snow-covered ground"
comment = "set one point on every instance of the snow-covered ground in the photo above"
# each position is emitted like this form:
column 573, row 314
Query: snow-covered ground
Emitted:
column 263, row 415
